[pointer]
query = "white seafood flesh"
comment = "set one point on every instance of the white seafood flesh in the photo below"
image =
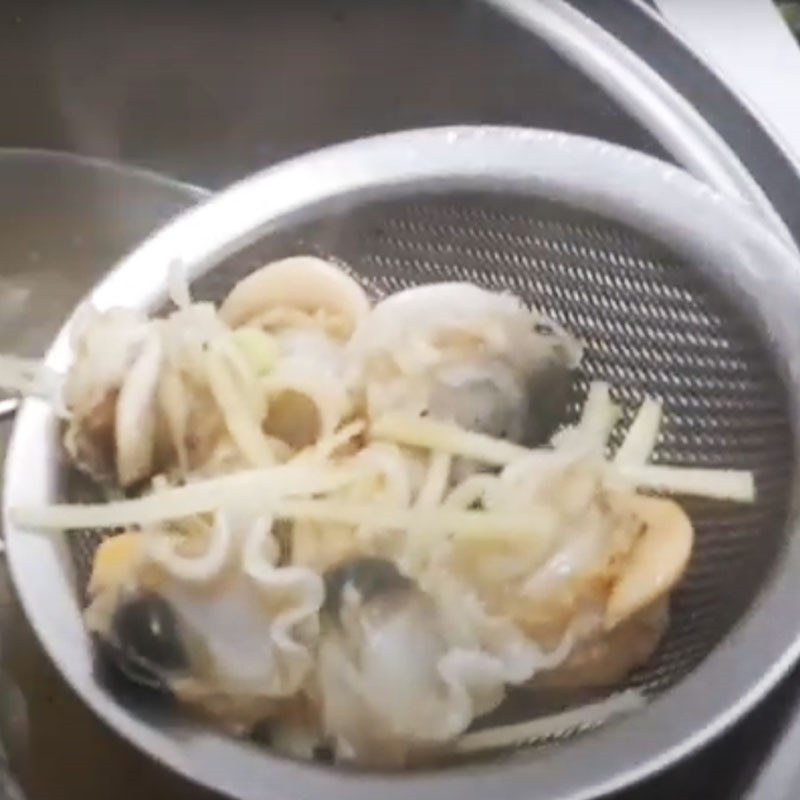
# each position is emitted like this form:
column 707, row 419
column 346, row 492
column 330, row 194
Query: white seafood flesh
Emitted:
column 375, row 668
column 248, row 634
column 402, row 672
column 355, row 523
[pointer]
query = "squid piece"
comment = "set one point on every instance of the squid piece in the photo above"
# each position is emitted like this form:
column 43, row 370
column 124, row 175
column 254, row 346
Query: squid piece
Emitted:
column 175, row 612
column 382, row 701
column 403, row 671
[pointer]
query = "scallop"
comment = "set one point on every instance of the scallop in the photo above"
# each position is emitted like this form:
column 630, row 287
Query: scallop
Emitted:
column 465, row 354
column 605, row 658
column 657, row 561
column 626, row 622
column 302, row 283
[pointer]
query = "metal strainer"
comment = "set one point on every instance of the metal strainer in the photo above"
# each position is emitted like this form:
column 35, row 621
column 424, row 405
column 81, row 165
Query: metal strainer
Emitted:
column 677, row 292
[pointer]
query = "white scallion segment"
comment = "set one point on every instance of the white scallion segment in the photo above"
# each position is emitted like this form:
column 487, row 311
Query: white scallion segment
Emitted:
column 640, row 441
column 446, row 438
column 327, row 446
column 243, row 372
column 536, row 525
column 716, row 484
column 259, row 348
column 599, row 413
column 524, row 733
column 249, row 489
column 436, row 480
column 431, row 495
column 242, row 426
column 721, row 484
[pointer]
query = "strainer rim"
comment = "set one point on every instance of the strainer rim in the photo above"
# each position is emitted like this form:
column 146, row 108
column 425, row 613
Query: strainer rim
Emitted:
column 527, row 161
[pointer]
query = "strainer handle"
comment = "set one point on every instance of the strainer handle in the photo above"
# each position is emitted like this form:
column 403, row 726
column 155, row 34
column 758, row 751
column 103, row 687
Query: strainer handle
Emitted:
column 643, row 93
column 749, row 44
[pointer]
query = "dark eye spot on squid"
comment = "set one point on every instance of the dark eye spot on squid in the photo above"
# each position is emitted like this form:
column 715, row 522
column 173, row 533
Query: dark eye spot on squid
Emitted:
column 548, row 402
column 369, row 576
column 144, row 644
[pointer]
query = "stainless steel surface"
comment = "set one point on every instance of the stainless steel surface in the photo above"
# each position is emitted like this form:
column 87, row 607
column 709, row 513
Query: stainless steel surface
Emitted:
column 63, row 222
column 646, row 96
column 698, row 313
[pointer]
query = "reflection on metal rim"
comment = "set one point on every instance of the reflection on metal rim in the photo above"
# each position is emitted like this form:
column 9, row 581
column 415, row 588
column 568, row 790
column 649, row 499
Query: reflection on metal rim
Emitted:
column 649, row 99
